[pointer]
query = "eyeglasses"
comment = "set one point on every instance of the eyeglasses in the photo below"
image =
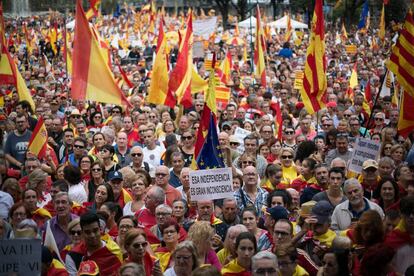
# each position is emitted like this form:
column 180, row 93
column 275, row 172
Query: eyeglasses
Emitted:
column 263, row 271
column 136, row 154
column 184, row 258
column 186, row 137
column 73, row 232
column 379, row 119
column 163, row 215
column 289, row 132
column 96, row 170
column 387, row 148
column 78, row 146
column 287, row 156
column 160, row 175
column 138, row 245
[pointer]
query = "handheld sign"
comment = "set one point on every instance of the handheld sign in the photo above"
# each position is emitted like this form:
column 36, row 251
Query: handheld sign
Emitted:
column 211, row 184
column 20, row 257
column 364, row 149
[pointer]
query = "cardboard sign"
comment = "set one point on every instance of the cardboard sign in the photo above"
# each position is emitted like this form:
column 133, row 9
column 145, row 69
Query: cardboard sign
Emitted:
column 298, row 84
column 351, row 49
column 20, row 257
column 364, row 149
column 211, row 184
column 240, row 133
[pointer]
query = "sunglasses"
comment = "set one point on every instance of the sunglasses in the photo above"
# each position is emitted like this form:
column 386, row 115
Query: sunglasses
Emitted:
column 234, row 144
column 78, row 147
column 116, row 111
column 96, row 170
column 76, row 116
column 160, row 175
column 248, row 163
column 186, row 137
column 379, row 119
column 136, row 154
column 73, row 232
column 138, row 245
column 289, row 132
column 287, row 156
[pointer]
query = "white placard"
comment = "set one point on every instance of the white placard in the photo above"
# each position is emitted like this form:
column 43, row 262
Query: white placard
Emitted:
column 205, row 27
column 240, row 133
column 198, row 49
column 211, row 184
column 20, row 257
column 364, row 149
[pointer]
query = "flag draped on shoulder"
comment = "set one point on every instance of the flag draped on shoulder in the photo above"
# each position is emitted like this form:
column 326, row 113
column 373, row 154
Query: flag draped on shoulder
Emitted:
column 259, row 51
column 401, row 61
column 92, row 77
column 159, row 76
column 207, row 153
column 314, row 81
column 179, row 85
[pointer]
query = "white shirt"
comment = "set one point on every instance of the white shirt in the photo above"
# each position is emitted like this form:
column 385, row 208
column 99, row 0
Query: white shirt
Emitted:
column 6, row 202
column 153, row 156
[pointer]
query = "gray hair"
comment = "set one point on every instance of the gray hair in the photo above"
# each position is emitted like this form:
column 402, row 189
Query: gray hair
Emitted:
column 265, row 255
column 164, row 206
column 338, row 159
column 237, row 227
column 351, row 181
column 189, row 245
column 136, row 269
column 37, row 176
column 385, row 160
column 159, row 194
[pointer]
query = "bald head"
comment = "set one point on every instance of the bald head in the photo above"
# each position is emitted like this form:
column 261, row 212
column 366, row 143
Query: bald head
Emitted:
column 162, row 176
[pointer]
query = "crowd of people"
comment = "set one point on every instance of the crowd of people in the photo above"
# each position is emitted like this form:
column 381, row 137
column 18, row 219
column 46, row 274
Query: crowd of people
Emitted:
column 113, row 188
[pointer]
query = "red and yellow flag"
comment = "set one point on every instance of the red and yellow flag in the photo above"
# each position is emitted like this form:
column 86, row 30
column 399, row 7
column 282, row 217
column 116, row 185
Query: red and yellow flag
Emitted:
column 401, row 61
column 259, row 51
column 344, row 34
column 38, row 141
column 314, row 81
column 406, row 119
column 94, row 8
column 224, row 71
column 180, row 78
column 288, row 34
column 381, row 32
column 92, row 78
column 353, row 80
column 159, row 76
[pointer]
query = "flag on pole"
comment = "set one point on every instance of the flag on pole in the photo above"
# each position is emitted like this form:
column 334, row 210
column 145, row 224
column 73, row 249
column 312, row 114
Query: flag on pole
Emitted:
column 363, row 20
column 94, row 8
column 368, row 94
column 387, row 84
column 159, row 76
column 344, row 34
column 180, row 78
column 381, row 32
column 353, row 80
column 207, row 153
column 198, row 84
column 38, row 140
column 288, row 34
column 314, row 81
column 224, row 71
column 401, row 61
column 92, row 77
column 259, row 51
column 406, row 119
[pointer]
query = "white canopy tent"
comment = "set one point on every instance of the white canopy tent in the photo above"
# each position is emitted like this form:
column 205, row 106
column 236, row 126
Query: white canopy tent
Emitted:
column 247, row 23
column 282, row 23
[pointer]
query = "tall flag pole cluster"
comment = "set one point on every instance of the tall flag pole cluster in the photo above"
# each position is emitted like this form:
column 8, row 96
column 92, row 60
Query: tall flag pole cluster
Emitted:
column 179, row 85
column 401, row 63
column 314, row 81
column 259, row 51
column 92, row 77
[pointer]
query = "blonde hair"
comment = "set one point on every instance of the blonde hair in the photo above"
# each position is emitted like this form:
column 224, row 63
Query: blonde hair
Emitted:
column 288, row 149
column 200, row 232
column 129, row 176
column 37, row 176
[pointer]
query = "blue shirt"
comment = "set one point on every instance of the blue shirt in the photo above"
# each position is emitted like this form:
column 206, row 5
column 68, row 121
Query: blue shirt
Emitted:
column 243, row 200
column 174, row 180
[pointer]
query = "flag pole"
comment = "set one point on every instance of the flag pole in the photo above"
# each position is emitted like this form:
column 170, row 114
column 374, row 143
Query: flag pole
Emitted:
column 374, row 104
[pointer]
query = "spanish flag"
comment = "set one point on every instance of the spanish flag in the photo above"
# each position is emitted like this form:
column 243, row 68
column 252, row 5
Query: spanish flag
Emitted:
column 288, row 34
column 259, row 51
column 401, row 61
column 314, row 81
column 353, row 81
column 38, row 141
column 225, row 69
column 92, row 77
column 159, row 76
column 94, row 9
column 180, row 78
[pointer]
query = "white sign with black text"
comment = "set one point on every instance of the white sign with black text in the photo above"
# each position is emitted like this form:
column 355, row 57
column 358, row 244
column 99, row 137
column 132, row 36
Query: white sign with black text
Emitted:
column 364, row 149
column 211, row 184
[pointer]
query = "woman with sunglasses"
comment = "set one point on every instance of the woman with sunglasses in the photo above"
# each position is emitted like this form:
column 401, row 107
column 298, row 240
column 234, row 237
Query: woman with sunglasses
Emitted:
column 96, row 178
column 139, row 186
column 288, row 166
column 75, row 231
column 187, row 146
column 136, row 245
